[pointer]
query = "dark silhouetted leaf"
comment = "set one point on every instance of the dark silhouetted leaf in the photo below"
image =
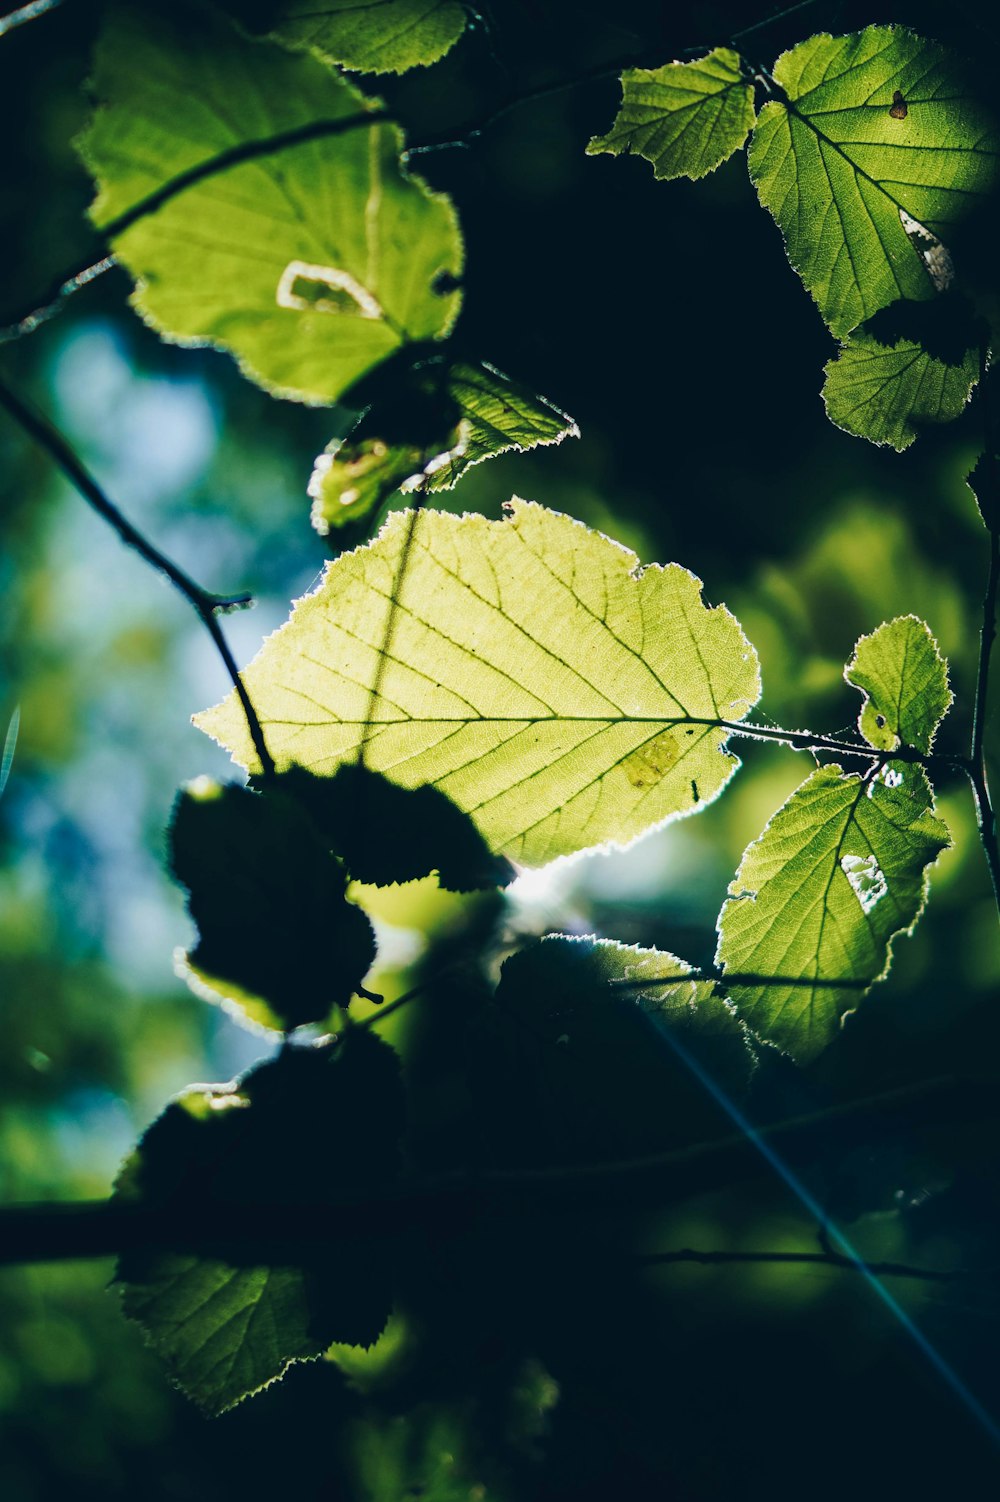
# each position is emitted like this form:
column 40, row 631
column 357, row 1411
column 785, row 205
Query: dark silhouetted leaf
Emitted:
column 385, row 833
column 577, row 1054
column 278, row 941
column 280, row 1144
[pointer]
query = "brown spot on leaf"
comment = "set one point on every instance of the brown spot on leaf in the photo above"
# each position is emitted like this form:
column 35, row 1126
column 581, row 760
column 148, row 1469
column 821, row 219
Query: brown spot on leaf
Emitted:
column 897, row 108
column 651, row 762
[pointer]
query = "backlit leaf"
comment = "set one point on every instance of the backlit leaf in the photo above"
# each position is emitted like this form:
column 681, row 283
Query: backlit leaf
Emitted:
column 888, row 394
column 529, row 668
column 837, row 873
column 491, row 415
column 230, row 1318
column 685, row 118
column 311, row 264
column 904, row 679
column 374, row 36
column 862, row 190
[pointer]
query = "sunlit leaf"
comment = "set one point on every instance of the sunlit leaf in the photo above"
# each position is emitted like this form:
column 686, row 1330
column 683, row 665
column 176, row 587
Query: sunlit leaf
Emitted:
column 228, row 1320
column 278, row 941
column 488, row 414
column 887, row 395
column 311, row 264
column 685, row 118
column 879, row 151
column 837, row 873
column 374, row 36
column 904, row 679
column 529, row 668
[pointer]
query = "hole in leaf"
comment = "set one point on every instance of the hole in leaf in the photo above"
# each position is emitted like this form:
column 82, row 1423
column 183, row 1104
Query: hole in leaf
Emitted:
column 304, row 287
column 866, row 878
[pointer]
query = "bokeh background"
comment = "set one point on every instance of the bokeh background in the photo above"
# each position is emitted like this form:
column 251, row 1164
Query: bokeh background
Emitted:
column 666, row 320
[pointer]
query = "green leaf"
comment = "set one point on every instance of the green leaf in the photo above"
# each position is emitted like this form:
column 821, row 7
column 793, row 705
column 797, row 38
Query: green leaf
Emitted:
column 489, row 414
column 983, row 482
column 312, row 263
column 685, row 118
column 576, row 1060
column 279, row 943
column 386, row 834
column 500, row 415
column 223, row 1332
column 887, row 395
column 528, row 668
column 879, row 152
column 352, row 478
column 904, row 679
column 230, row 1318
column 837, row 873
column 374, row 36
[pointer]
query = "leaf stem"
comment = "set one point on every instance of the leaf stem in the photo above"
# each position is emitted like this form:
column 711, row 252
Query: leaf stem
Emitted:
column 204, row 603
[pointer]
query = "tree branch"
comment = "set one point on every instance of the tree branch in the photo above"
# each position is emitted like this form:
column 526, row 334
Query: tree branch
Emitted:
column 29, row 12
column 270, row 1231
column 819, row 1259
column 989, row 506
column 204, row 604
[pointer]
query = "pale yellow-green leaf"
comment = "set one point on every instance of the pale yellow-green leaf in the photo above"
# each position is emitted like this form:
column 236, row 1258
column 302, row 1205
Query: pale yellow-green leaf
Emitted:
column 311, row 263
column 904, row 679
column 529, row 668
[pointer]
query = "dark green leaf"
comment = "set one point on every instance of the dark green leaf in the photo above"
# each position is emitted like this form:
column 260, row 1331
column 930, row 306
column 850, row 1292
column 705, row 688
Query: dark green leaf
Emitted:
column 385, row 833
column 229, row 1319
column 578, row 1055
column 278, row 941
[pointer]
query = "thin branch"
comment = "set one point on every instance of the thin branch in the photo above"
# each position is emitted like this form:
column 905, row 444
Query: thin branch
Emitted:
column 66, row 1232
column 818, row 1259
column 990, row 508
column 737, row 978
column 24, row 13
column 205, row 604
column 51, row 301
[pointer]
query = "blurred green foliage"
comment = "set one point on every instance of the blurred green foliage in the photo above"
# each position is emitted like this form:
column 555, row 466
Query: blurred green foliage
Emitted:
column 686, row 1381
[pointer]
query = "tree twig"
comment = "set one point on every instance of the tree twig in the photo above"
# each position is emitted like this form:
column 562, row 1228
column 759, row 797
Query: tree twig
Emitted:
column 818, row 1259
column 990, row 508
column 204, row 603
column 29, row 12
column 66, row 1232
